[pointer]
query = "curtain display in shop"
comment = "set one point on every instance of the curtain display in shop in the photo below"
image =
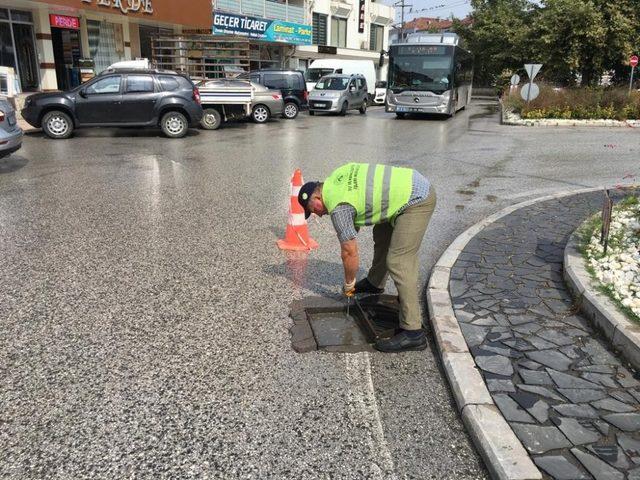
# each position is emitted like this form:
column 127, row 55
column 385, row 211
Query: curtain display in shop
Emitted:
column 103, row 45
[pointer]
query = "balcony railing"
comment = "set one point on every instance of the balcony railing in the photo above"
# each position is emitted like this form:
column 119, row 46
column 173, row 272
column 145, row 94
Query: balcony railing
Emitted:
column 264, row 8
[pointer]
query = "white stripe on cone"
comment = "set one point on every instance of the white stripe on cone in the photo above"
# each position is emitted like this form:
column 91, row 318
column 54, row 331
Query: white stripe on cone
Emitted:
column 297, row 219
column 295, row 191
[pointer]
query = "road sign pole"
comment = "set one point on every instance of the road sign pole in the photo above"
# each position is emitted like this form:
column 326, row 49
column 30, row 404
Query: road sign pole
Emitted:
column 631, row 80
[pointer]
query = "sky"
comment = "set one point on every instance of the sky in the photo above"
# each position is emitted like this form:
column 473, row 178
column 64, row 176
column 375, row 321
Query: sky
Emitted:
column 433, row 8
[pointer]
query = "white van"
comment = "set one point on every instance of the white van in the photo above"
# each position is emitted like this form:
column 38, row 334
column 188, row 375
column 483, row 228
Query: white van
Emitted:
column 325, row 66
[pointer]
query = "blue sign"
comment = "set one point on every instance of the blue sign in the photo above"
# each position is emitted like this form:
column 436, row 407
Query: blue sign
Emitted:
column 261, row 28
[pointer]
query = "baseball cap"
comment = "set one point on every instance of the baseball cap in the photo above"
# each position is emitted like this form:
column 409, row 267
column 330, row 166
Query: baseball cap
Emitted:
column 305, row 194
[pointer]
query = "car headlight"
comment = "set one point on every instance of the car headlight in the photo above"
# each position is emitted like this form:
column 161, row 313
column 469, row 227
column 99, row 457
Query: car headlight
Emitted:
column 446, row 96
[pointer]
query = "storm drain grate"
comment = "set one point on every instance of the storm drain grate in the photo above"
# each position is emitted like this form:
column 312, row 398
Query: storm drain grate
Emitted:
column 323, row 324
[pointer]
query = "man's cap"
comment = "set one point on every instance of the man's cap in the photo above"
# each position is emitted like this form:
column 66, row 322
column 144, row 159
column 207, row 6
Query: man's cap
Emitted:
column 305, row 194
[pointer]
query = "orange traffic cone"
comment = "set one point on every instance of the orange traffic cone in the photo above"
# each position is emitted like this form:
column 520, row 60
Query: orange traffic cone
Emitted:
column 297, row 235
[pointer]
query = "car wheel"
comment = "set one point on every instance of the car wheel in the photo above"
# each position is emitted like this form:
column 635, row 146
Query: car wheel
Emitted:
column 343, row 109
column 400, row 115
column 260, row 114
column 174, row 125
column 290, row 110
column 312, row 113
column 363, row 108
column 211, row 119
column 57, row 125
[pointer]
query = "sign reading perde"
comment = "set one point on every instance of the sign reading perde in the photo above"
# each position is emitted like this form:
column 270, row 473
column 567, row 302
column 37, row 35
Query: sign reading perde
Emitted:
column 125, row 6
column 261, row 28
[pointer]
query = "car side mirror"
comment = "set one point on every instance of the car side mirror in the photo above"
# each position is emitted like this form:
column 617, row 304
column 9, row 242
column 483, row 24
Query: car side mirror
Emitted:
column 83, row 93
column 352, row 88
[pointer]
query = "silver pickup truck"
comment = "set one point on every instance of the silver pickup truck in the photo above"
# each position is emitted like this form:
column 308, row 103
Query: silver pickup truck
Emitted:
column 225, row 100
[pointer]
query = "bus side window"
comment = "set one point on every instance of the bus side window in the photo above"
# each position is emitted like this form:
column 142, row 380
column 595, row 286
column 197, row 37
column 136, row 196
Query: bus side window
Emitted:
column 338, row 70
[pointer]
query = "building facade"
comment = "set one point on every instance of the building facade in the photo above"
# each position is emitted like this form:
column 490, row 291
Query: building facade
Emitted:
column 56, row 44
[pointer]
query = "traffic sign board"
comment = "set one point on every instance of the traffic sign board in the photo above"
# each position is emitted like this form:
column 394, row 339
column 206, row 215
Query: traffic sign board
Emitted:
column 532, row 69
column 530, row 91
column 515, row 79
column 633, row 61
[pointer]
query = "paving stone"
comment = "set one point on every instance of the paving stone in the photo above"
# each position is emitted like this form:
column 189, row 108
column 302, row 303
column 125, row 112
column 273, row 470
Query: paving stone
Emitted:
column 599, row 469
column 563, row 380
column 538, row 408
column 601, row 378
column 623, row 397
column 537, row 439
column 473, row 334
column 603, row 427
column 573, row 410
column 485, row 322
column 528, row 328
column 457, row 288
column 613, row 405
column 577, row 431
column 597, row 369
column 598, row 353
column 529, row 364
column 635, row 393
column 559, row 468
column 500, row 349
column 582, row 395
column 625, row 378
column 539, row 343
column 495, row 364
column 612, row 454
column 551, row 358
column 634, row 474
column 464, row 316
column 511, row 411
column 555, row 336
column 533, row 377
column 631, row 446
column 497, row 336
column 519, row 344
column 542, row 391
column 629, row 422
column 499, row 385
column 571, row 352
column 521, row 319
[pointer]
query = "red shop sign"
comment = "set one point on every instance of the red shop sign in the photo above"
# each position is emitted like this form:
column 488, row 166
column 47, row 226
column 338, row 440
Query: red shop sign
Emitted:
column 63, row 21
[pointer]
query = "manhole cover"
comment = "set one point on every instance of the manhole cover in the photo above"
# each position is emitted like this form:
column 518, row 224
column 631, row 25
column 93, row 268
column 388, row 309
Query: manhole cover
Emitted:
column 323, row 324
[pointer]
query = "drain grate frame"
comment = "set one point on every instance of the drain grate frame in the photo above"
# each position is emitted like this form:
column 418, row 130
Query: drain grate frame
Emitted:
column 322, row 323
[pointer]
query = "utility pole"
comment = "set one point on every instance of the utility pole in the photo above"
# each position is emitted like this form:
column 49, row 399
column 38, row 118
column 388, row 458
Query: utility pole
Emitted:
column 402, row 5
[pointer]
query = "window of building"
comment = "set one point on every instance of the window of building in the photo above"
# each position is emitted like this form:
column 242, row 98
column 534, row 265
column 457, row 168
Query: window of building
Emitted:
column 17, row 46
column 319, row 29
column 339, row 32
column 105, row 85
column 102, row 44
column 376, row 37
column 140, row 84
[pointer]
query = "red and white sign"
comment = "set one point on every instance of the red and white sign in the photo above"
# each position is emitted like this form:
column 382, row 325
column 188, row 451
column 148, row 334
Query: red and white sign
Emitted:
column 633, row 61
column 64, row 21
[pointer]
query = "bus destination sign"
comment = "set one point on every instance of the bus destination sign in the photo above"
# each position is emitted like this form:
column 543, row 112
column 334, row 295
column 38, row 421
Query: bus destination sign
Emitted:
column 421, row 50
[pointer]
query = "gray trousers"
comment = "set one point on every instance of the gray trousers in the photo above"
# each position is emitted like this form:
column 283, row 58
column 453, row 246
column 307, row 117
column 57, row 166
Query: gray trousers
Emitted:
column 396, row 253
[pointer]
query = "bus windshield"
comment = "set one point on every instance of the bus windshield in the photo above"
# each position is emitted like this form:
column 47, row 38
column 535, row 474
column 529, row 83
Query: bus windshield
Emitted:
column 315, row 74
column 421, row 72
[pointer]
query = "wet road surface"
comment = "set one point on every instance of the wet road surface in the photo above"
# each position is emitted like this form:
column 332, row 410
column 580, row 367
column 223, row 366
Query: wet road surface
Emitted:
column 144, row 312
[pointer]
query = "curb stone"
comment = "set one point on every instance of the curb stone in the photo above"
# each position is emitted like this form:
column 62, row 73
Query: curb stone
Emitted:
column 508, row 117
column 622, row 333
column 503, row 453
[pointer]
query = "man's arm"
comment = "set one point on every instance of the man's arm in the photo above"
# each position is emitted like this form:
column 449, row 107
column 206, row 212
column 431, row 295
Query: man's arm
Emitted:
column 350, row 259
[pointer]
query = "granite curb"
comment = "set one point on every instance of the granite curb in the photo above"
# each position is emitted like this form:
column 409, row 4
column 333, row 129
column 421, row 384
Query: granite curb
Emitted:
column 507, row 117
column 502, row 451
column 620, row 331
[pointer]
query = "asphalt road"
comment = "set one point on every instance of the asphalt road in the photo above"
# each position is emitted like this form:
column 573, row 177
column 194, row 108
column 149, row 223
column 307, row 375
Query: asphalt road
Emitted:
column 144, row 312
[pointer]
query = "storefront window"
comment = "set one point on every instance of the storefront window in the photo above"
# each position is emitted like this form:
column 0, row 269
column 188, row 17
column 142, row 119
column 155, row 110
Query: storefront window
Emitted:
column 102, row 44
column 17, row 46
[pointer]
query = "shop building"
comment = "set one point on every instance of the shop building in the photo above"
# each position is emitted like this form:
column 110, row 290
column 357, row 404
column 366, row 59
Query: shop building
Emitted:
column 57, row 44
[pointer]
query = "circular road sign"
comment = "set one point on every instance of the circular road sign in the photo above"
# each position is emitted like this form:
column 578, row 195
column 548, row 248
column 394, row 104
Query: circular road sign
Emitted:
column 515, row 79
column 633, row 61
column 530, row 95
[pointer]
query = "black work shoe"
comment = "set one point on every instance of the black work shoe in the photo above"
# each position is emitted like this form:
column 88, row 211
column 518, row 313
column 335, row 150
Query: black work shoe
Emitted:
column 402, row 342
column 365, row 286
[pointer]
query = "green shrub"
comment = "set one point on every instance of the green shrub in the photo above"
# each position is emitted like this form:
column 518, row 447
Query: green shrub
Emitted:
column 577, row 104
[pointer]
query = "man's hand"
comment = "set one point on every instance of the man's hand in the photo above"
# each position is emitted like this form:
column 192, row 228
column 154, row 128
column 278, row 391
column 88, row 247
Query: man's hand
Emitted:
column 350, row 261
column 349, row 288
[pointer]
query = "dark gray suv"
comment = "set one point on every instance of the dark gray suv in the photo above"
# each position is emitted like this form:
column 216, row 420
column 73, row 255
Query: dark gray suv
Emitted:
column 119, row 98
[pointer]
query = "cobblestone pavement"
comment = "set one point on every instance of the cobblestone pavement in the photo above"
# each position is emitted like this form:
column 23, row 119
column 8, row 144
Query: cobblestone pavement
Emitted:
column 571, row 402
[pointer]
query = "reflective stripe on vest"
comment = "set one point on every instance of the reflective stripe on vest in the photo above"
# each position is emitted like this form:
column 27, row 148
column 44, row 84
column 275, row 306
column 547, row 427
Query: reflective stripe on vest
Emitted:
column 377, row 193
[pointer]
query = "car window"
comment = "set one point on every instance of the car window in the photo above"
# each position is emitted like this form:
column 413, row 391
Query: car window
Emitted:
column 140, row 84
column 360, row 83
column 168, row 83
column 105, row 85
column 275, row 80
column 329, row 83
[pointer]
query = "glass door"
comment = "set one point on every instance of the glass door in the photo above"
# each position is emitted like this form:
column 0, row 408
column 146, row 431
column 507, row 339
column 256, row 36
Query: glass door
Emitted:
column 26, row 53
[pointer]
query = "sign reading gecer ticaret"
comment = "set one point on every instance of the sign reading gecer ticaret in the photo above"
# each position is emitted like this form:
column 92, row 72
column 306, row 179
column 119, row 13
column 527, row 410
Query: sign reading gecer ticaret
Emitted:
column 125, row 6
column 361, row 13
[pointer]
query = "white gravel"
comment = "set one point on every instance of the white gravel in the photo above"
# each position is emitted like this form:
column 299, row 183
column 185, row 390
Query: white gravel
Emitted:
column 619, row 269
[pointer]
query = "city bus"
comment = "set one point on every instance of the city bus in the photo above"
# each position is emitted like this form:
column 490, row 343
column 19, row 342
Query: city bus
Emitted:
column 428, row 73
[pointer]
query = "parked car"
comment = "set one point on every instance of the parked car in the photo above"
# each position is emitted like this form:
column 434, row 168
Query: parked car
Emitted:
column 339, row 93
column 10, row 132
column 266, row 103
column 326, row 66
column 119, row 98
column 381, row 93
column 290, row 82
